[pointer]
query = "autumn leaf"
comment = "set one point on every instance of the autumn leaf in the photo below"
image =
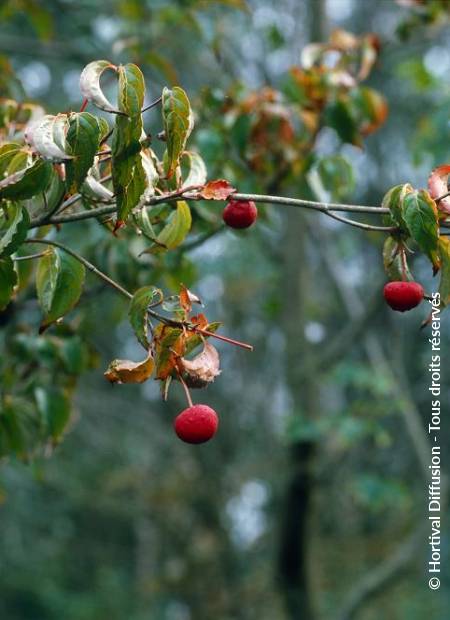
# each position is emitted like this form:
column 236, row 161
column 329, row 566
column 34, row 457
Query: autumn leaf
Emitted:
column 187, row 298
column 169, row 345
column 125, row 371
column 217, row 190
column 201, row 370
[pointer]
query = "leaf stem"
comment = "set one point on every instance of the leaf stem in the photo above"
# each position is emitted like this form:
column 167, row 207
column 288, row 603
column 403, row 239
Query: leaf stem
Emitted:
column 186, row 390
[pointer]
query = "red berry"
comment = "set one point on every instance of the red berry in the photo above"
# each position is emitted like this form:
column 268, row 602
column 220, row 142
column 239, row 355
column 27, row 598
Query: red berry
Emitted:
column 196, row 424
column 240, row 213
column 403, row 296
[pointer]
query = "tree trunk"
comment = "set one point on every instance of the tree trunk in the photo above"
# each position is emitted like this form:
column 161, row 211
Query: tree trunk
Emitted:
column 297, row 283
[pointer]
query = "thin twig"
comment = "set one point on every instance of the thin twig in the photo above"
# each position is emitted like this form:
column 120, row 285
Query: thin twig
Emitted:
column 51, row 219
column 237, row 343
column 29, row 256
column 180, row 324
column 350, row 222
column 151, row 105
column 92, row 268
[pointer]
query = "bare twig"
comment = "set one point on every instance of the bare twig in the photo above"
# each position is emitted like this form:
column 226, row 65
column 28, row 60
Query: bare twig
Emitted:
column 29, row 256
column 92, row 268
column 151, row 105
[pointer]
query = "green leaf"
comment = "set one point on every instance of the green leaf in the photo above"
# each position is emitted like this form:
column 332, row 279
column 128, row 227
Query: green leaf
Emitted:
column 137, row 312
column 421, row 217
column 131, row 90
column 103, row 127
column 16, row 230
column 54, row 407
column 392, row 259
column 142, row 220
column 12, row 431
column 176, row 229
column 26, row 183
column 83, row 139
column 197, row 170
column 444, row 285
column 338, row 115
column 59, row 283
column 7, row 152
column 55, row 191
column 393, row 200
column 178, row 124
column 8, row 280
column 129, row 177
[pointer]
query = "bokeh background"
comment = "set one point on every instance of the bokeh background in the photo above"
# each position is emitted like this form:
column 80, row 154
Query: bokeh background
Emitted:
column 310, row 503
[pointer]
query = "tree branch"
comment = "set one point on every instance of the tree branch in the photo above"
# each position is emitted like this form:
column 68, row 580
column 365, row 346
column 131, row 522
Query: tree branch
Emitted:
column 188, row 194
column 180, row 324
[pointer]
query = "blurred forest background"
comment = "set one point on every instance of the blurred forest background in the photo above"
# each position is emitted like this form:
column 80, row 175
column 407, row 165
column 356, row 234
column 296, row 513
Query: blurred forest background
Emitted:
column 310, row 502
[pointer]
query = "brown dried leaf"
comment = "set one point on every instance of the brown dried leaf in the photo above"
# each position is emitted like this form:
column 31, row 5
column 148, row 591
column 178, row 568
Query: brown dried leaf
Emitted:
column 219, row 189
column 187, row 298
column 200, row 321
column 203, row 369
column 125, row 371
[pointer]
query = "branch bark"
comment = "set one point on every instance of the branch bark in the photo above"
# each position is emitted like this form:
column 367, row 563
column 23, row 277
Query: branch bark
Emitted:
column 322, row 207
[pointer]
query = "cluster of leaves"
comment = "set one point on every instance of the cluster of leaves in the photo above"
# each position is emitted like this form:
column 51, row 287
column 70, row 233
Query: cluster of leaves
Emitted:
column 36, row 407
column 177, row 335
column 274, row 131
column 418, row 215
column 53, row 164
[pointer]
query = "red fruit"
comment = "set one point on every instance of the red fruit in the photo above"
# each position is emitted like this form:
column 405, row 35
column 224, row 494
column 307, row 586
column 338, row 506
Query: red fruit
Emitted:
column 240, row 213
column 196, row 424
column 403, row 296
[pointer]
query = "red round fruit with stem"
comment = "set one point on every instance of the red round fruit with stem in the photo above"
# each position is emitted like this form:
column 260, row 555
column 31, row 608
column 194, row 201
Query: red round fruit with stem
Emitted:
column 196, row 424
column 240, row 213
column 402, row 296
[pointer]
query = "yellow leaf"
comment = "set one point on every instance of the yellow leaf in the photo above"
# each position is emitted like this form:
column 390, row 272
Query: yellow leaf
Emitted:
column 125, row 371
